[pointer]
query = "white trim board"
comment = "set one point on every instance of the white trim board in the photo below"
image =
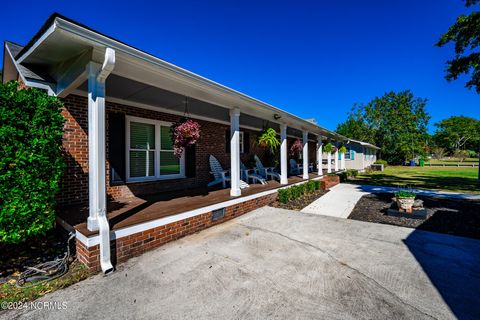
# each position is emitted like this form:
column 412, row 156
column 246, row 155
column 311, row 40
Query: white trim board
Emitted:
column 124, row 232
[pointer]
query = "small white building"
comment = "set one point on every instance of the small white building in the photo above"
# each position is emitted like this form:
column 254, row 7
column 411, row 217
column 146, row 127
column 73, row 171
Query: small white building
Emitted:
column 360, row 155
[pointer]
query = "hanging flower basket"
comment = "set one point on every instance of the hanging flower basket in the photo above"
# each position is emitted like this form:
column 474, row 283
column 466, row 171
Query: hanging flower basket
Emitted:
column 296, row 147
column 342, row 149
column 328, row 148
column 184, row 134
column 268, row 139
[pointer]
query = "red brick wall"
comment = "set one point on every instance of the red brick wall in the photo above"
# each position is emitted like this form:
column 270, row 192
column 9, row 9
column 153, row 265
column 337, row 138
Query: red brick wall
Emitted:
column 136, row 244
column 74, row 184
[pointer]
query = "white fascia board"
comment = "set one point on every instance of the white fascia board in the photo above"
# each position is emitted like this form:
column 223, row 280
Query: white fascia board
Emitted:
column 179, row 74
column 44, row 36
column 30, row 83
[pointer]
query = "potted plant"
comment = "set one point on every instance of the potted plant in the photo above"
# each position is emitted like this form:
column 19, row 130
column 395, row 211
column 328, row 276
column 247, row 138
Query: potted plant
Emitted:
column 184, row 133
column 405, row 200
column 268, row 139
column 328, row 148
column 296, row 147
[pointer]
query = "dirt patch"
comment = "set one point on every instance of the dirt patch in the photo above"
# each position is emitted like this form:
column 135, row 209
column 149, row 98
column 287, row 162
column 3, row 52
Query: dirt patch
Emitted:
column 300, row 203
column 459, row 217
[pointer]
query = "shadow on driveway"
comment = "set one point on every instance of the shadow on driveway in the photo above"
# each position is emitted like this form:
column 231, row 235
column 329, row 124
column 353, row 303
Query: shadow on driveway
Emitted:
column 452, row 264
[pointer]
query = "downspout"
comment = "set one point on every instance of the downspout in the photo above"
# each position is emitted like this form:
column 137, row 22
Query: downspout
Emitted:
column 103, row 226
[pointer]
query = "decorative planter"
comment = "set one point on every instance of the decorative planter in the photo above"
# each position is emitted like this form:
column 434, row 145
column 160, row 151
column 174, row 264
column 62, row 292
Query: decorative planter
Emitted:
column 405, row 203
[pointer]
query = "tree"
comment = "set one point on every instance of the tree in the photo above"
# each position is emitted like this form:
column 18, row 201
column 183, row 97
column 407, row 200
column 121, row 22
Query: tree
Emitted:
column 31, row 161
column 396, row 122
column 457, row 132
column 465, row 33
column 356, row 126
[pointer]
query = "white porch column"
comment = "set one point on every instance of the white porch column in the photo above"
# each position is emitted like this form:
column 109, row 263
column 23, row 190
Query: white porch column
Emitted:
column 342, row 161
column 97, row 192
column 336, row 157
column 283, row 155
column 329, row 160
column 320, row 155
column 235, row 152
column 305, row 155
column 96, row 146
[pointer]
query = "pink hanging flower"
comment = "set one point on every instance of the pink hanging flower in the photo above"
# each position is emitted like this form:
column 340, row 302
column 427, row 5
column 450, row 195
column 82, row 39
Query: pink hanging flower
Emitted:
column 296, row 147
column 184, row 134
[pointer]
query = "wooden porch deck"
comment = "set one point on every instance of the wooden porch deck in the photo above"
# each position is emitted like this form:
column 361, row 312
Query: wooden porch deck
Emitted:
column 132, row 211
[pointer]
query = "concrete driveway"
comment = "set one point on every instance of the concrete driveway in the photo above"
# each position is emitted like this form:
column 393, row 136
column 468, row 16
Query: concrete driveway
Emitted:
column 275, row 263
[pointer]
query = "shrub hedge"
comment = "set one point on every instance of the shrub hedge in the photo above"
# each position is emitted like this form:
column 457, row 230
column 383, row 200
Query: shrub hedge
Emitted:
column 31, row 161
column 297, row 191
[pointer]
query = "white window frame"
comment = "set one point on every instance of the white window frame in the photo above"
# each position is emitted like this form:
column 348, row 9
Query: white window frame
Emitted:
column 157, row 175
column 349, row 152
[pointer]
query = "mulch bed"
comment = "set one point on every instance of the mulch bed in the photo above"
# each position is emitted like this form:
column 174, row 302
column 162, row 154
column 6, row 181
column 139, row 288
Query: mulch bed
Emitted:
column 300, row 203
column 458, row 217
column 14, row 258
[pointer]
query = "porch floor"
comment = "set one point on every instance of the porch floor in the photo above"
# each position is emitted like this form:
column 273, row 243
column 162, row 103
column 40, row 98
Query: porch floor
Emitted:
column 134, row 210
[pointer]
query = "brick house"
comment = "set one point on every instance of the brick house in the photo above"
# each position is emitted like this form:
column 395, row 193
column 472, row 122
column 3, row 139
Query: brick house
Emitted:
column 124, row 192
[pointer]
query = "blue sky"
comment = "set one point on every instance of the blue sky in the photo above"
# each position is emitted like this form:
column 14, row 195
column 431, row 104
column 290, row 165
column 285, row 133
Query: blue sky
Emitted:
column 314, row 59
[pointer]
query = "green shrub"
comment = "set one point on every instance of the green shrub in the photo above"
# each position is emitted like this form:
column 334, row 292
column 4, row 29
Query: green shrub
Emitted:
column 284, row 195
column 310, row 185
column 317, row 184
column 343, row 176
column 31, row 161
column 352, row 173
column 384, row 162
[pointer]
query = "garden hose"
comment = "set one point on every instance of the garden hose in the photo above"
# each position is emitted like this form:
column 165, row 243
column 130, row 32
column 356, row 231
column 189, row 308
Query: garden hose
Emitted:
column 45, row 271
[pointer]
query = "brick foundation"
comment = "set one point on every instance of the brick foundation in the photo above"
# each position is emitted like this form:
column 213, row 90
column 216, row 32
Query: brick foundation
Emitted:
column 127, row 247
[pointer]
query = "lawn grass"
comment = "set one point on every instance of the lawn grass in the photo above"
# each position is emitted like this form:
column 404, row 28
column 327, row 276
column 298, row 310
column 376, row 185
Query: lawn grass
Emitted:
column 10, row 293
column 454, row 179
column 469, row 161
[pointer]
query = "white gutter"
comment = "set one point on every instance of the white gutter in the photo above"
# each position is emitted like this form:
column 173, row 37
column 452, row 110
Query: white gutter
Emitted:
column 101, row 214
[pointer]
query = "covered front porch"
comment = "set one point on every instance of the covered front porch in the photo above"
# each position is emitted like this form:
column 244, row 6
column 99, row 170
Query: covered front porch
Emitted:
column 132, row 211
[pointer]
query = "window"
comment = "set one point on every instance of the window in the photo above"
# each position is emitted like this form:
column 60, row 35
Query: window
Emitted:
column 350, row 154
column 150, row 151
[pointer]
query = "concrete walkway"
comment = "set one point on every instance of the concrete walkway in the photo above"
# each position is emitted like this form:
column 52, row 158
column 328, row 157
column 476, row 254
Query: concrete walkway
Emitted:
column 338, row 202
column 279, row 264
column 342, row 198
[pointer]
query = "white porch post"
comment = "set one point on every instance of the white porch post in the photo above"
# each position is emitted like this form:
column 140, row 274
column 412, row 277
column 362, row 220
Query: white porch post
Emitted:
column 342, row 161
column 305, row 154
column 329, row 162
column 97, row 192
column 283, row 155
column 320, row 155
column 235, row 152
column 96, row 146
column 336, row 157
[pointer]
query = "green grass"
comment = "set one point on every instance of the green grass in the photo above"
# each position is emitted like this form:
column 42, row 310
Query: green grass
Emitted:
column 453, row 179
column 453, row 161
column 10, row 293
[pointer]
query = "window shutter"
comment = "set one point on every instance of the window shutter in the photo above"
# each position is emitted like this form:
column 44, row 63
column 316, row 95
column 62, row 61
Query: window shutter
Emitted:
column 190, row 161
column 352, row 154
column 246, row 142
column 116, row 146
column 227, row 141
